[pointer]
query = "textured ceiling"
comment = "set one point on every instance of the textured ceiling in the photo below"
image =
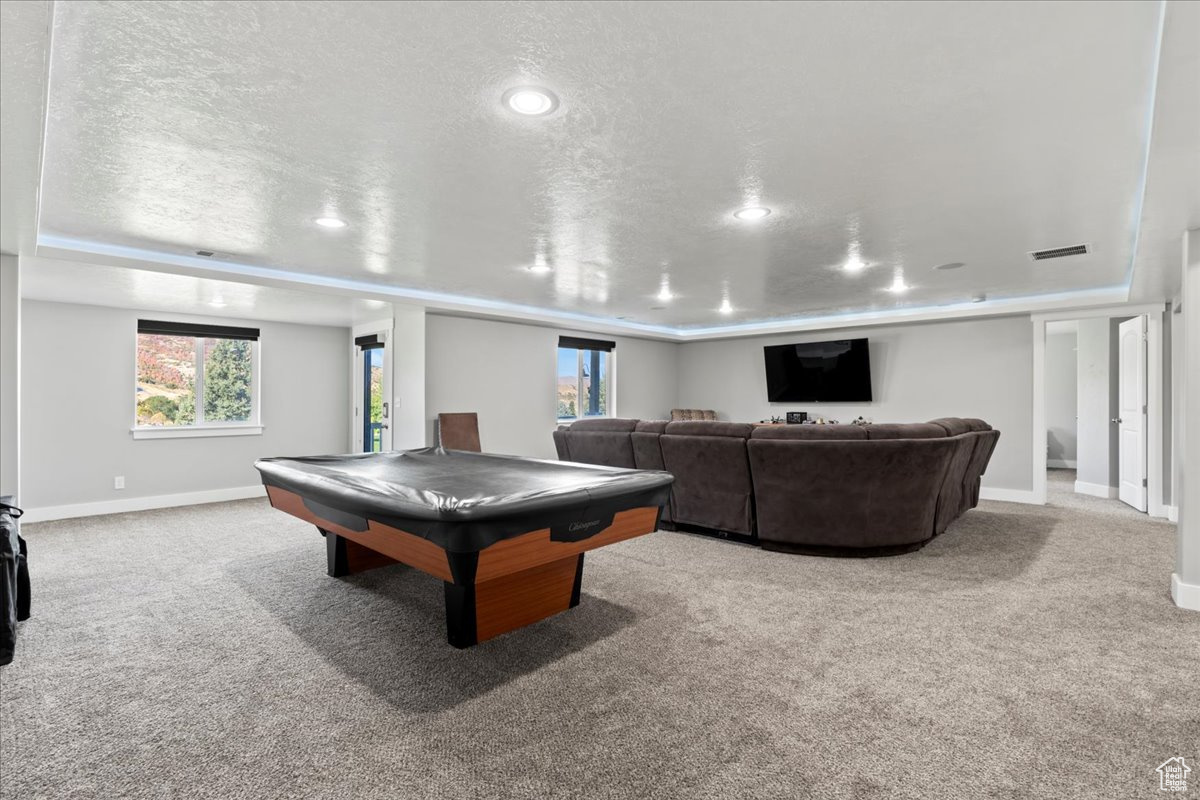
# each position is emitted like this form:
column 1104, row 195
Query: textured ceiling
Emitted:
column 147, row 290
column 913, row 133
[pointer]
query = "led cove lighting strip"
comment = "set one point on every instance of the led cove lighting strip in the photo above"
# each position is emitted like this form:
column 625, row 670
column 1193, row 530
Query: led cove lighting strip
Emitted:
column 680, row 333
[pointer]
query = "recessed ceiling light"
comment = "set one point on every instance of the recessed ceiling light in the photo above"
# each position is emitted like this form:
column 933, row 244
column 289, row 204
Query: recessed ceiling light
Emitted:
column 752, row 213
column 979, row 298
column 530, row 101
column 951, row 265
column 217, row 302
column 726, row 307
column 540, row 264
column 898, row 285
column 854, row 264
column 330, row 222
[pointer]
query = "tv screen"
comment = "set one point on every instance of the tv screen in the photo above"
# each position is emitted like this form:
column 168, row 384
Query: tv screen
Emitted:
column 819, row 372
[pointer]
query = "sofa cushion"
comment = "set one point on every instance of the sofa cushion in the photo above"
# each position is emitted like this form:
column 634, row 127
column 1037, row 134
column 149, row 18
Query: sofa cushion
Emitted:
column 953, row 425
column 913, row 430
column 604, row 424
column 810, row 432
column 651, row 425
column 693, row 415
column 605, row 448
column 977, row 424
column 740, row 430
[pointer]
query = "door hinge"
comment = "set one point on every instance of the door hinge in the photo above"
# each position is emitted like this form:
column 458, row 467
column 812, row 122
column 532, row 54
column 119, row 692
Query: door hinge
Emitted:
column 1145, row 409
column 1145, row 481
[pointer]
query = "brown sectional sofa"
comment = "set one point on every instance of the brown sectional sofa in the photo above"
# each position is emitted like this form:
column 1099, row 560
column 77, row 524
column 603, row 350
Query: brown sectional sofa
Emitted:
column 822, row 489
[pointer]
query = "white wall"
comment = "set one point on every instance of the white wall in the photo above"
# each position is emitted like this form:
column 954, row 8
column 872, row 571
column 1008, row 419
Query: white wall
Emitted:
column 10, row 360
column 976, row 368
column 1061, row 395
column 408, row 377
column 1095, row 365
column 506, row 373
column 77, row 392
column 1185, row 583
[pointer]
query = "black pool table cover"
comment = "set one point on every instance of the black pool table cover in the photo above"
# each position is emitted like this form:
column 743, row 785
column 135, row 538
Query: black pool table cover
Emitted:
column 465, row 501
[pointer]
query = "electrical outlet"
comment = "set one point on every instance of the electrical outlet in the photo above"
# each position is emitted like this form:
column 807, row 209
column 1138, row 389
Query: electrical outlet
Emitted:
column 119, row 482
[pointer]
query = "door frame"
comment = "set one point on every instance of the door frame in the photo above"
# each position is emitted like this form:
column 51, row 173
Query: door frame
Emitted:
column 382, row 329
column 1155, row 316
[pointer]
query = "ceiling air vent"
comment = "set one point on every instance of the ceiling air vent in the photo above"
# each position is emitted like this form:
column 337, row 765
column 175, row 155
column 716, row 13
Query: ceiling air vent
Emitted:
column 205, row 253
column 1060, row 252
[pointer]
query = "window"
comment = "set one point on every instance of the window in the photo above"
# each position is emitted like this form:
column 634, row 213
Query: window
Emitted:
column 195, row 380
column 584, row 378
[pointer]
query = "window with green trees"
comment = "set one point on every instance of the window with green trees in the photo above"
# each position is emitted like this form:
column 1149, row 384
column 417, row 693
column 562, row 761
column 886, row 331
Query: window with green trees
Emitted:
column 187, row 381
column 584, row 368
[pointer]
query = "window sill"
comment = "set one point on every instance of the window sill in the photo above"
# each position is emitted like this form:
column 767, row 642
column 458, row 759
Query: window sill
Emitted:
column 196, row 432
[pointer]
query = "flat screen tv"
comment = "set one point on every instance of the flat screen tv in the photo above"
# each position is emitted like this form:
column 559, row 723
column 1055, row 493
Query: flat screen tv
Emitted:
column 819, row 372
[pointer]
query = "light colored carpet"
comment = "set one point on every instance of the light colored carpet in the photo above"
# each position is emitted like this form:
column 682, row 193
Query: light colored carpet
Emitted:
column 203, row 653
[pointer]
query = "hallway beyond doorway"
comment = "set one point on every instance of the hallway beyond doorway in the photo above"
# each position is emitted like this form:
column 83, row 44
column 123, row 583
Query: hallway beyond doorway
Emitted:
column 1060, row 492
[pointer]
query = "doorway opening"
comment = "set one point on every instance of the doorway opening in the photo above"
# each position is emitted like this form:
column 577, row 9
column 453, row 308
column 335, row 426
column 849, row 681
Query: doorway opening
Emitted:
column 371, row 424
column 372, row 419
column 1097, row 412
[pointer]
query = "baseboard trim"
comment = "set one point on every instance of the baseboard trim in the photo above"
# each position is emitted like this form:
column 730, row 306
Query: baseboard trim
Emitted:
column 1172, row 513
column 1008, row 495
column 1096, row 490
column 1185, row 595
column 1061, row 463
column 47, row 513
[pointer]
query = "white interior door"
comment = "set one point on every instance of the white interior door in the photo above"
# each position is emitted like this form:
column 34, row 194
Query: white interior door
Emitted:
column 1131, row 419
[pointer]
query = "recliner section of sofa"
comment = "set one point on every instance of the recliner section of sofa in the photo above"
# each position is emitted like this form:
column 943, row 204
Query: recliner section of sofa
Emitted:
column 713, row 487
column 849, row 496
column 983, row 439
column 985, row 445
column 647, row 454
column 950, row 493
column 824, row 489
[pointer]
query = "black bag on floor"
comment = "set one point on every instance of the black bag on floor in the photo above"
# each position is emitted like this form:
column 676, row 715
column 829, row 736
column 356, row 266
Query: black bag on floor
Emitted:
column 14, row 578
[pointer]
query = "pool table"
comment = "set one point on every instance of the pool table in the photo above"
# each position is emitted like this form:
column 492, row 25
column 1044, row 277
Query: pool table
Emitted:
column 505, row 534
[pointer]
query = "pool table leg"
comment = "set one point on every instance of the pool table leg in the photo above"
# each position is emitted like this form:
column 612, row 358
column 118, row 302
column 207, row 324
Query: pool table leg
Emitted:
column 344, row 557
column 476, row 612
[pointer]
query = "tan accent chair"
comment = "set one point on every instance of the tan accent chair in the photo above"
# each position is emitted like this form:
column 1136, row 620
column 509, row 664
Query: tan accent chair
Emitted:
column 693, row 415
column 459, row 432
